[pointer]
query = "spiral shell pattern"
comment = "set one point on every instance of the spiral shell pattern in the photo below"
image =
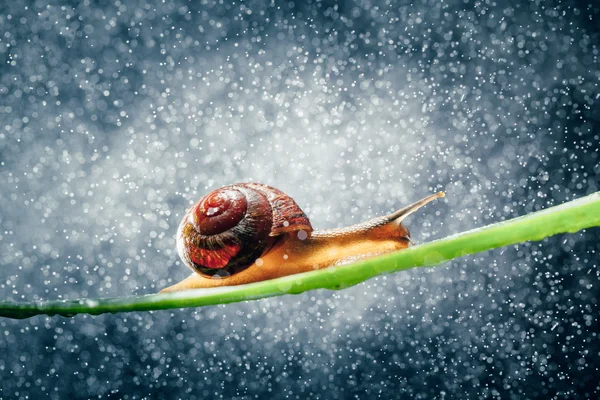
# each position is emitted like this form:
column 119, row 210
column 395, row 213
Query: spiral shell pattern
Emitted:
column 229, row 228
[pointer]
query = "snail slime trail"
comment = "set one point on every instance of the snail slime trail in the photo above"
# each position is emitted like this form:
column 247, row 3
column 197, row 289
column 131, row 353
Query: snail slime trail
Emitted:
column 250, row 232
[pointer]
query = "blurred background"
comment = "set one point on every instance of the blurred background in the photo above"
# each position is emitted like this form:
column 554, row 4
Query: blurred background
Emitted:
column 115, row 116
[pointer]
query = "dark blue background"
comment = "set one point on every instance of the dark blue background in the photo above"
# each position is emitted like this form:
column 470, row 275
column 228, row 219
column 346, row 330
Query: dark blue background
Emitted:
column 116, row 116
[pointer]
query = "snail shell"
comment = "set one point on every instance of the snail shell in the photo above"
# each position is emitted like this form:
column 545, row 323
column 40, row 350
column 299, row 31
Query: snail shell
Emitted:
column 228, row 229
column 249, row 232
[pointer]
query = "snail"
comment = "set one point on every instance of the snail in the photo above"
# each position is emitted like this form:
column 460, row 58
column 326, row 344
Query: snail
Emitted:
column 250, row 232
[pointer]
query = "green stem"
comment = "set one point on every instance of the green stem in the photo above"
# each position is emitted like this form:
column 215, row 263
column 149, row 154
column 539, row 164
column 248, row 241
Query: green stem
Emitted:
column 569, row 217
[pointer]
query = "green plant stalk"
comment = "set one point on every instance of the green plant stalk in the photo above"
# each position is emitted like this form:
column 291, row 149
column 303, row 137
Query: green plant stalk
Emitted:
column 569, row 217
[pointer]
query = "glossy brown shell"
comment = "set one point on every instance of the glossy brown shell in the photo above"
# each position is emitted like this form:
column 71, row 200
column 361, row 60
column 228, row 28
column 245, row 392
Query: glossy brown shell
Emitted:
column 265, row 213
column 287, row 215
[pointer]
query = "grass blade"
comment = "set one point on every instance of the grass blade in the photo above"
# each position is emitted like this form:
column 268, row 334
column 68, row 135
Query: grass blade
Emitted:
column 569, row 217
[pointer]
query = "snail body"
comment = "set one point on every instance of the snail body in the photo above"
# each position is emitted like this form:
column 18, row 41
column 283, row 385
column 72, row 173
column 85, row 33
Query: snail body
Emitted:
column 250, row 232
